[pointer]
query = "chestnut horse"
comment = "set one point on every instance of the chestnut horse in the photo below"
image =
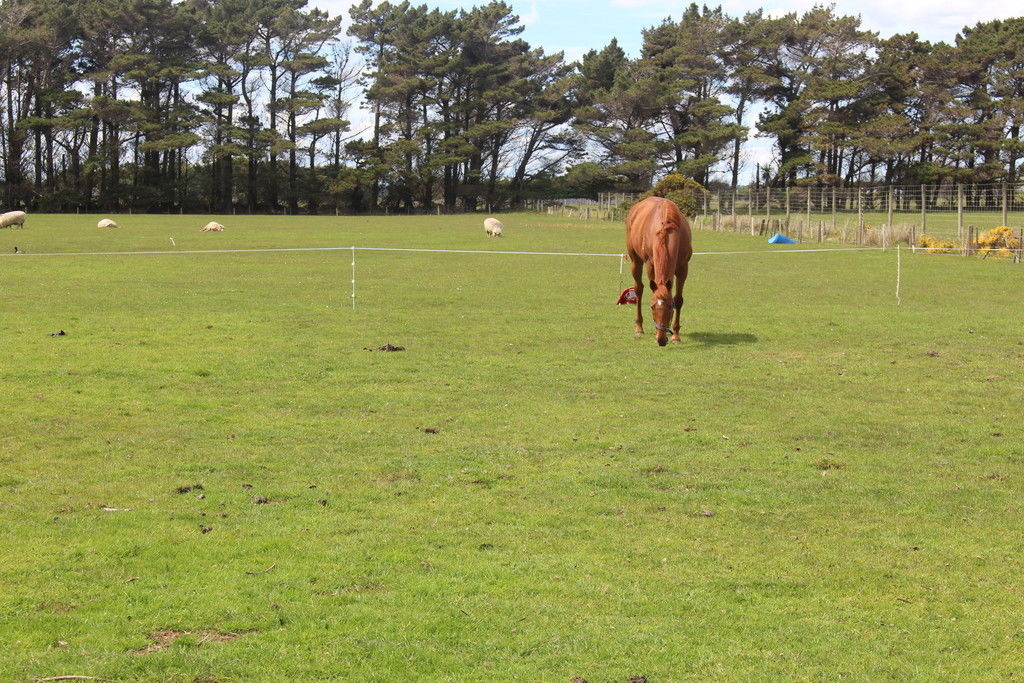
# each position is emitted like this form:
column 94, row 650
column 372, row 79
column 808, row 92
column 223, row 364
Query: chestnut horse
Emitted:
column 658, row 236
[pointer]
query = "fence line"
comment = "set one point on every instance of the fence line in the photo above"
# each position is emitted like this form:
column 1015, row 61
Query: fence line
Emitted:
column 864, row 216
column 782, row 250
column 941, row 209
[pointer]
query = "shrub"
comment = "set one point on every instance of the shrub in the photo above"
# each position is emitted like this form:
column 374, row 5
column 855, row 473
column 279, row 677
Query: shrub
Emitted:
column 938, row 246
column 680, row 189
column 999, row 241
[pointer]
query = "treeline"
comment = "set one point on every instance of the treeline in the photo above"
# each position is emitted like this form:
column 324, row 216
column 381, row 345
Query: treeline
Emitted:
column 245, row 105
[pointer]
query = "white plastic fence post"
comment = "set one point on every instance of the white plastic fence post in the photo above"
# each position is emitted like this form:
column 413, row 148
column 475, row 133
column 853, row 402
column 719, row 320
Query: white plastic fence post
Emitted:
column 353, row 277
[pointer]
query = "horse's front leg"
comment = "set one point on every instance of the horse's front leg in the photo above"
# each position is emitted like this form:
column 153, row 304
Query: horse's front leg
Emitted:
column 637, row 267
column 677, row 301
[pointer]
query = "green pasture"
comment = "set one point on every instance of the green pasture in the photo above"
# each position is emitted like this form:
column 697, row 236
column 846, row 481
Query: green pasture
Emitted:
column 217, row 475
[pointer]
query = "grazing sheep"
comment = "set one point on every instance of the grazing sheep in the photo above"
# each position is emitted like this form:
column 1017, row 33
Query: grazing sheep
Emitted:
column 213, row 226
column 493, row 227
column 106, row 223
column 12, row 218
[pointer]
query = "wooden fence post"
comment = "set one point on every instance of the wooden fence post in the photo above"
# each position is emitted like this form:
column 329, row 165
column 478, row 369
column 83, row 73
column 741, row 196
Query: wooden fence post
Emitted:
column 808, row 210
column 959, row 210
column 889, row 201
column 860, row 216
column 924, row 211
column 1006, row 219
column 833, row 208
column 787, row 206
column 768, row 200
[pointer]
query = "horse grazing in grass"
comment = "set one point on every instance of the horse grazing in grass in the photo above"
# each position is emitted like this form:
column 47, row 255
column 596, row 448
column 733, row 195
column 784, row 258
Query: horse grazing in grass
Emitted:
column 658, row 236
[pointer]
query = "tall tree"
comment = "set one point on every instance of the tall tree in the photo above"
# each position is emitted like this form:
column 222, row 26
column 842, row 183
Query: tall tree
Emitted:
column 690, row 60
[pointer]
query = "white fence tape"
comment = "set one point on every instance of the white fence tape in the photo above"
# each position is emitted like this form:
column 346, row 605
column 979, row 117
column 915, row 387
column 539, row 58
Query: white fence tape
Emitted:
column 406, row 249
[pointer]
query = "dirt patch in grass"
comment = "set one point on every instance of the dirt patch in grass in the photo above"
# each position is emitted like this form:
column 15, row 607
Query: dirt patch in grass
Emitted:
column 56, row 607
column 164, row 639
column 161, row 641
column 400, row 475
column 386, row 347
column 829, row 464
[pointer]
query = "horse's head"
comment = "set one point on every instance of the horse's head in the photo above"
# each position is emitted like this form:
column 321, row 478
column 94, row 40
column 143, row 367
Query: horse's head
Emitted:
column 661, row 311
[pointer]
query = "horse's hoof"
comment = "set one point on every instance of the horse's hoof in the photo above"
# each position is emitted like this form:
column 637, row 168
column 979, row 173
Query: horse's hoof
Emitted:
column 676, row 340
column 638, row 333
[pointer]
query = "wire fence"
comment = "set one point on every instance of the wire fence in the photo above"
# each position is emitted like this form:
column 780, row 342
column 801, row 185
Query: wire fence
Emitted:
column 916, row 215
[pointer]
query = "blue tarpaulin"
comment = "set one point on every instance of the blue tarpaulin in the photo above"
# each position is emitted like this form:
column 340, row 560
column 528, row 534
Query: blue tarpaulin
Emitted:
column 779, row 238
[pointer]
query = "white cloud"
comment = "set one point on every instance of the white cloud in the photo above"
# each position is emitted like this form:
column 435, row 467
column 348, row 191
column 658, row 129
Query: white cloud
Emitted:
column 531, row 17
column 931, row 20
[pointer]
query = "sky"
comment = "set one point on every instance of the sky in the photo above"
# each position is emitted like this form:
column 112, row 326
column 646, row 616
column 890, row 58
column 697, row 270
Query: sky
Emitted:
column 577, row 26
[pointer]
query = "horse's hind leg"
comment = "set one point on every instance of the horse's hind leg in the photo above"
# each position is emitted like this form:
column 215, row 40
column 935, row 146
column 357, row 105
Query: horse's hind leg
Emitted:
column 677, row 300
column 637, row 267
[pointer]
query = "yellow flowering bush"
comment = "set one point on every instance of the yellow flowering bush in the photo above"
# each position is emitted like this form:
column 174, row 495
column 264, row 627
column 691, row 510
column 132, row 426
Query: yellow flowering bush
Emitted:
column 935, row 245
column 999, row 241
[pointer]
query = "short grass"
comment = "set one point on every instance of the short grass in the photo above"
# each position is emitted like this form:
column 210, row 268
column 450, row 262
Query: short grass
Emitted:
column 816, row 484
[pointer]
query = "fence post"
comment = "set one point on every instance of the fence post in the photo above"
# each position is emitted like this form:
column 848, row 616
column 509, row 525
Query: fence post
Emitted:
column 1006, row 219
column 834, row 227
column 768, row 200
column 889, row 201
column 787, row 205
column 924, row 211
column 959, row 210
column 860, row 216
column 808, row 210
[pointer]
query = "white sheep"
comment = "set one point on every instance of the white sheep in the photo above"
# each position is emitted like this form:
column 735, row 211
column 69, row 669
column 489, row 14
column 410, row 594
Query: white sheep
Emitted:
column 213, row 226
column 12, row 218
column 106, row 223
column 493, row 227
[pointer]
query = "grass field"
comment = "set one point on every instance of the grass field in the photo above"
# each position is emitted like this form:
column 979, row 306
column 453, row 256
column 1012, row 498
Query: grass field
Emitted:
column 214, row 476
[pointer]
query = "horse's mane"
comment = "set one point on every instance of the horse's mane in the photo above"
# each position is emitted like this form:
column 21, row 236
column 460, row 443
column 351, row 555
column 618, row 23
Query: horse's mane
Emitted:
column 664, row 260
